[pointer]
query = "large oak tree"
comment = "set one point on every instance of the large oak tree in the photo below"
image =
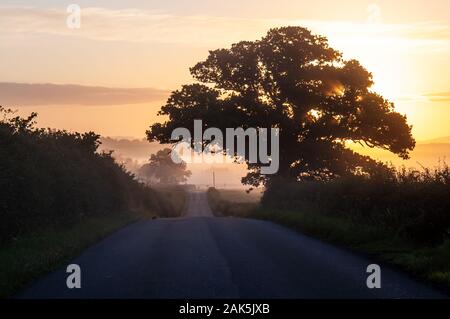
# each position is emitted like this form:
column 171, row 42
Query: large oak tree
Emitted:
column 292, row 80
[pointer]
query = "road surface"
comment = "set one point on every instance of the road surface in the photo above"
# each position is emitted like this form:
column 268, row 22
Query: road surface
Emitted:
column 200, row 256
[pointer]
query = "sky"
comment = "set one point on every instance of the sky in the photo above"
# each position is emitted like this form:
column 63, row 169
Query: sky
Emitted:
column 113, row 73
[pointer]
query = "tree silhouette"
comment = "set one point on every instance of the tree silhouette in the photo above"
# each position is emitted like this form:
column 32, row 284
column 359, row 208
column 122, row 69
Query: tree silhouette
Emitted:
column 163, row 169
column 50, row 178
column 292, row 80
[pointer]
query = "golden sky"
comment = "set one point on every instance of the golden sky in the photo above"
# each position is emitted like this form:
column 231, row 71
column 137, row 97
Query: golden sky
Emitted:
column 126, row 46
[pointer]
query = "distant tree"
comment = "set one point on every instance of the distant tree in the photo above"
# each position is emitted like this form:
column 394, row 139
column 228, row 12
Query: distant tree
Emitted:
column 292, row 80
column 162, row 169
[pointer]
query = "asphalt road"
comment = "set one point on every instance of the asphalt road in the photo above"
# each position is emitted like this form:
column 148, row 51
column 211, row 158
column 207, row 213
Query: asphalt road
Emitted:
column 200, row 256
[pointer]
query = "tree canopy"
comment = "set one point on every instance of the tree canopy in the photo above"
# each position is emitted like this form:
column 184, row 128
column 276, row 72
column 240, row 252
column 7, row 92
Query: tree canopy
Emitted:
column 163, row 170
column 293, row 80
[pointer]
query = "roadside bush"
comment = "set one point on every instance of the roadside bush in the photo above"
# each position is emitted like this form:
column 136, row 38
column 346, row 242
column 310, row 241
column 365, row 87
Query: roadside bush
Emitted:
column 410, row 203
column 226, row 207
column 171, row 199
column 51, row 177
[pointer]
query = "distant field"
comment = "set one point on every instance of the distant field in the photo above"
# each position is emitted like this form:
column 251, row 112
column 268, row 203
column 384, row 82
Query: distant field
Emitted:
column 240, row 195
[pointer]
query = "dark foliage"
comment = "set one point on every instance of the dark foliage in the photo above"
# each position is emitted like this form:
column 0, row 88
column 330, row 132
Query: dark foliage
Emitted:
column 50, row 177
column 222, row 207
column 291, row 80
column 414, row 204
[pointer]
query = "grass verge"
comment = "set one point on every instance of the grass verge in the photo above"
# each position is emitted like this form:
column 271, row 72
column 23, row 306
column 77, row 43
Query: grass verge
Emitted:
column 29, row 256
column 32, row 255
column 431, row 264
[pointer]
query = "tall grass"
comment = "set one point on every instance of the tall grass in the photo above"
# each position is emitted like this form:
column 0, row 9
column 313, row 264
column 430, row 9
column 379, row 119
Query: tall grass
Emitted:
column 410, row 203
column 229, row 203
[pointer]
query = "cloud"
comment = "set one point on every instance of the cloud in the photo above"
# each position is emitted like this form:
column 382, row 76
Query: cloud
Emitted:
column 129, row 25
column 136, row 25
column 24, row 94
column 438, row 97
column 426, row 97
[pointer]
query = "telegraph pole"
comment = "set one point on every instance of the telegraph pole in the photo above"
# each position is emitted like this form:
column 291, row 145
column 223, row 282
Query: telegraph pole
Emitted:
column 214, row 179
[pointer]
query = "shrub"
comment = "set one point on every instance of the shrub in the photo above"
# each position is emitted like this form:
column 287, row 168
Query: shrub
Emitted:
column 52, row 177
column 411, row 203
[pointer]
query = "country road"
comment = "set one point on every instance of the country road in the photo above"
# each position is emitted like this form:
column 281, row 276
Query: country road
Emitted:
column 200, row 256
